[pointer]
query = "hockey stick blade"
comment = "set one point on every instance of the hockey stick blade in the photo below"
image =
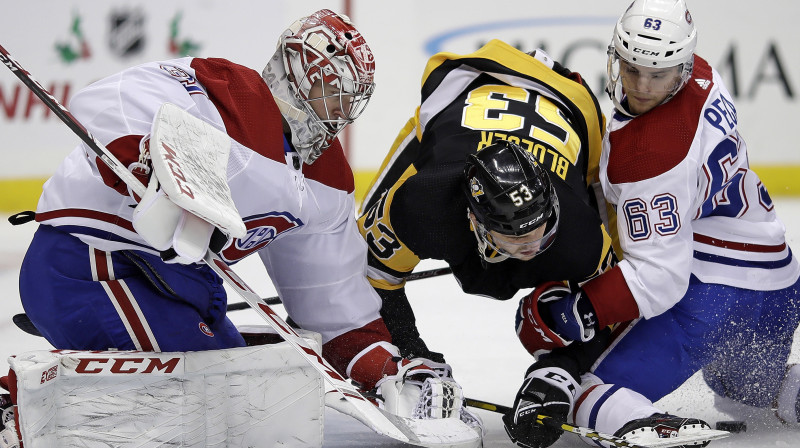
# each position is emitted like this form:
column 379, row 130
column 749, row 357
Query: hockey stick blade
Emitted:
column 23, row 322
column 549, row 421
column 377, row 421
column 276, row 300
column 432, row 433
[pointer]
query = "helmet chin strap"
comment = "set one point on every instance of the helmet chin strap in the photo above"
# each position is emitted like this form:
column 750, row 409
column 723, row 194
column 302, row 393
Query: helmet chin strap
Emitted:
column 487, row 253
column 307, row 135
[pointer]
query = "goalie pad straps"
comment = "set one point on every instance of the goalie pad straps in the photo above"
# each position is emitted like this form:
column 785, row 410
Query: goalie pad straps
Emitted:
column 372, row 364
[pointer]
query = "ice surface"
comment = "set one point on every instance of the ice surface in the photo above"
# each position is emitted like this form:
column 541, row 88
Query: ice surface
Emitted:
column 476, row 334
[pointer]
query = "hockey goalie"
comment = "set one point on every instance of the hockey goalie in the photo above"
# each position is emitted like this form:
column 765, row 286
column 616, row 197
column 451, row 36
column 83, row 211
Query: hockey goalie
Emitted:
column 128, row 260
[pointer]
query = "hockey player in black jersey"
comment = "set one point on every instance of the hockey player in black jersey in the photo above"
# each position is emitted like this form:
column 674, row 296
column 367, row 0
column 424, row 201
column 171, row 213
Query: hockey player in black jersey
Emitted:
column 494, row 174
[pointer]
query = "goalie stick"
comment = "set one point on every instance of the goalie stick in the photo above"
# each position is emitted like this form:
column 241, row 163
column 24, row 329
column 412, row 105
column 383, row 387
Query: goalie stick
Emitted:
column 589, row 433
column 376, row 419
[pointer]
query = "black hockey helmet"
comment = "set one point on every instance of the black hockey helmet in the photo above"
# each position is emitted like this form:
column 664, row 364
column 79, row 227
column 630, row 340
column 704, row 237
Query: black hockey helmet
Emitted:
column 508, row 192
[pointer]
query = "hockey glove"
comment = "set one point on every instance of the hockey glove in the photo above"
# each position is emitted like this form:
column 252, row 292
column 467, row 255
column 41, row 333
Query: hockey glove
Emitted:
column 549, row 391
column 572, row 316
column 537, row 336
column 555, row 311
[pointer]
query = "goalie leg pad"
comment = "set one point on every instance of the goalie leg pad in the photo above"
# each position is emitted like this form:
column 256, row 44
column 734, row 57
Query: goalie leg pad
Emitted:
column 248, row 396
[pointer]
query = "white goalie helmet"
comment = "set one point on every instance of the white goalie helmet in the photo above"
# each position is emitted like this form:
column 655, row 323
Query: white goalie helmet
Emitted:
column 322, row 47
column 654, row 34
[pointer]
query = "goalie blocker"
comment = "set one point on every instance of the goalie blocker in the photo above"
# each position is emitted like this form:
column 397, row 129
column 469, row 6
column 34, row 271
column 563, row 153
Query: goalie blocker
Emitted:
column 264, row 395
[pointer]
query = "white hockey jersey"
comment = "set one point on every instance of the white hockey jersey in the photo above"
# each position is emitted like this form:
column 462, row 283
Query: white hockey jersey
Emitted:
column 687, row 202
column 299, row 218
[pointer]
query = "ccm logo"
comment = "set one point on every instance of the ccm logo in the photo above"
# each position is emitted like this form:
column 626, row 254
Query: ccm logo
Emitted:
column 176, row 170
column 126, row 365
column 646, row 52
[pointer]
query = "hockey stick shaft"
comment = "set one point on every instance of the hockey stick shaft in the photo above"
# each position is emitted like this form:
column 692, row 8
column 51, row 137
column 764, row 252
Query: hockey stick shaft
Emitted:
column 66, row 117
column 413, row 276
column 370, row 414
column 563, row 426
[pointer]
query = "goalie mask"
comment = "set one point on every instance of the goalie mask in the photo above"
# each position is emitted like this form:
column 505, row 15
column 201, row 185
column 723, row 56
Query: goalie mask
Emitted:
column 513, row 208
column 652, row 39
column 321, row 76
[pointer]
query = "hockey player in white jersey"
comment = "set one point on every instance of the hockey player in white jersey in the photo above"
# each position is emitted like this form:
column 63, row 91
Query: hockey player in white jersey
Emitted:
column 93, row 277
column 706, row 280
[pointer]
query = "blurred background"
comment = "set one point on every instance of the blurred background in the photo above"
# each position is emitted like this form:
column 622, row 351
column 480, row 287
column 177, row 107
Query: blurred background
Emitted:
column 68, row 44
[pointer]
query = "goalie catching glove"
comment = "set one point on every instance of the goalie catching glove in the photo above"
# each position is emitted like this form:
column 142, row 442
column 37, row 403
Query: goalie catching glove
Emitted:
column 548, row 391
column 188, row 196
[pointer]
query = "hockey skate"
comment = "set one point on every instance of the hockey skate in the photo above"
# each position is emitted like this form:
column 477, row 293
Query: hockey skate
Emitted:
column 664, row 430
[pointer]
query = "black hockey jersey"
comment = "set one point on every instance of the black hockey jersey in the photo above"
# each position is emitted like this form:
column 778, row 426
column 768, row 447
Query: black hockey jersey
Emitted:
column 416, row 208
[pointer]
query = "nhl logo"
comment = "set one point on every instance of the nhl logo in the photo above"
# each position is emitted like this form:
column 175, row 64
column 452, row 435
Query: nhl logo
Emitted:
column 126, row 33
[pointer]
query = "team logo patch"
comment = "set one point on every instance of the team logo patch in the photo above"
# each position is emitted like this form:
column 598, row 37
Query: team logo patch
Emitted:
column 475, row 188
column 205, row 329
column 261, row 230
column 188, row 81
